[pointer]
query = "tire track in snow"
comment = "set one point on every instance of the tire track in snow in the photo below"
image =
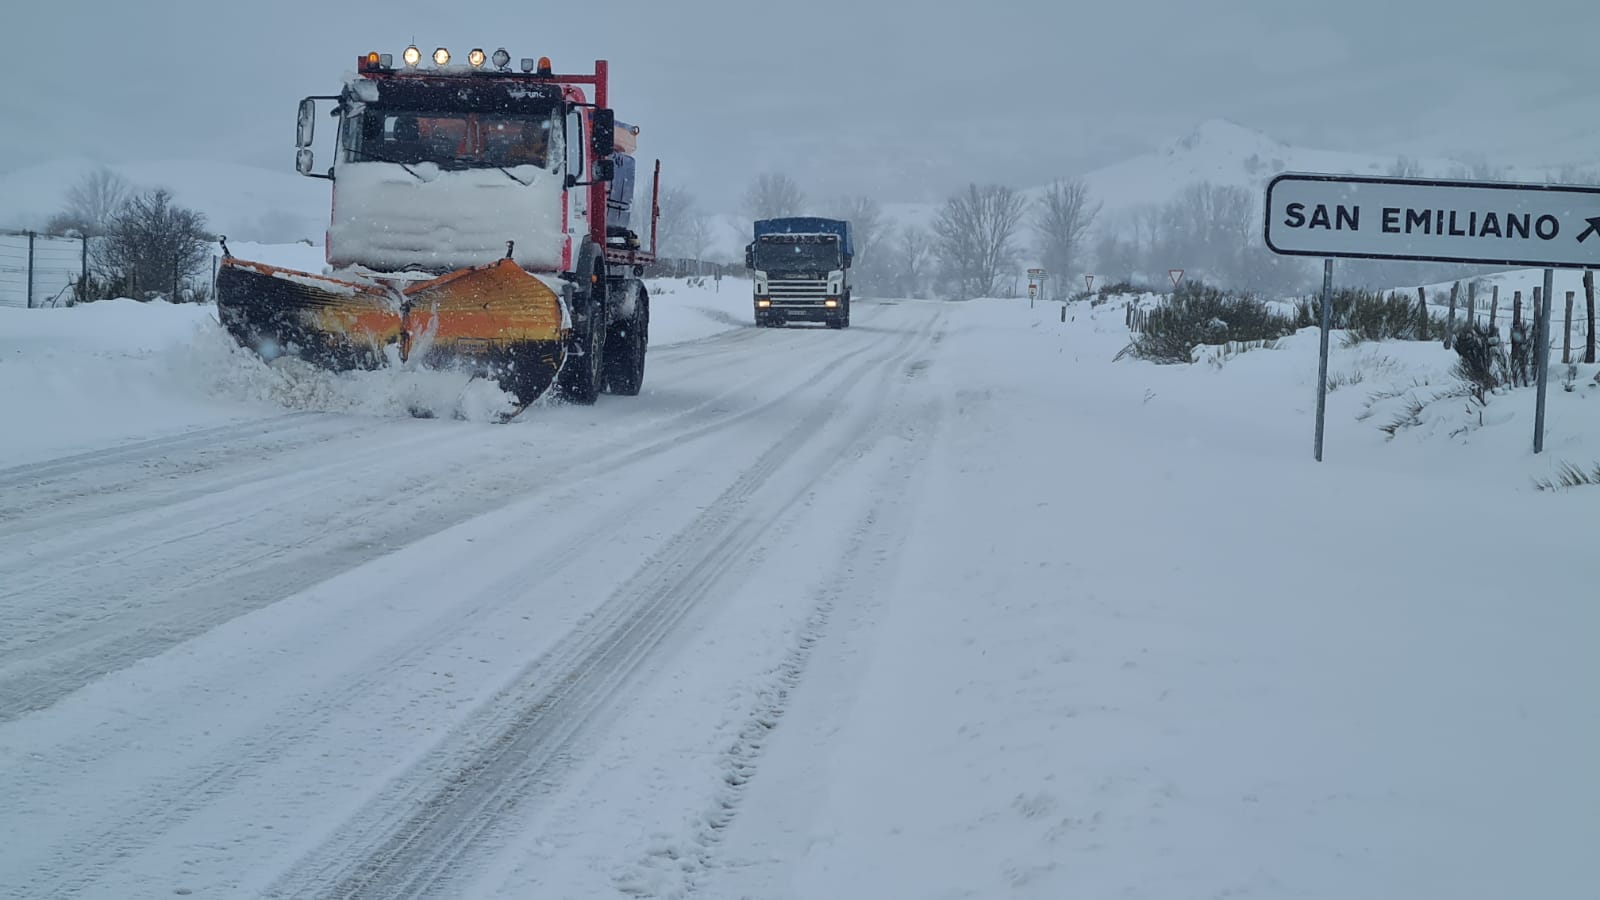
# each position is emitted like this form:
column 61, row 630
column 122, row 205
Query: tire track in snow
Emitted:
column 71, row 642
column 562, row 693
column 164, row 803
column 677, row 866
column 30, row 473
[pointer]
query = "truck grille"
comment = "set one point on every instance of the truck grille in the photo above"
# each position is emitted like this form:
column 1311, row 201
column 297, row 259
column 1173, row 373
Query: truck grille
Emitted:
column 797, row 292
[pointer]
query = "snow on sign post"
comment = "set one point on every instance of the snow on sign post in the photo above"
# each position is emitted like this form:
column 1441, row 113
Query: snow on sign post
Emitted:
column 1495, row 223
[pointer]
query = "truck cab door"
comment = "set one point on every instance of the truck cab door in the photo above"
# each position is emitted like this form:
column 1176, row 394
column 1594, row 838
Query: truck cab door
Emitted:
column 577, row 197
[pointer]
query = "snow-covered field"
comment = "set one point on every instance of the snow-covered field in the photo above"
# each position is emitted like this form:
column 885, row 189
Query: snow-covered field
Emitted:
column 949, row 604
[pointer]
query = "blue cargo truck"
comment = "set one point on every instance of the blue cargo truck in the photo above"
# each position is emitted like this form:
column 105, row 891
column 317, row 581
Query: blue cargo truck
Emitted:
column 801, row 270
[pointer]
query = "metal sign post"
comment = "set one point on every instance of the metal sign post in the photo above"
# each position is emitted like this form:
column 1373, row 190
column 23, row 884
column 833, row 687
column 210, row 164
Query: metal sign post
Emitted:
column 1326, row 319
column 1546, row 226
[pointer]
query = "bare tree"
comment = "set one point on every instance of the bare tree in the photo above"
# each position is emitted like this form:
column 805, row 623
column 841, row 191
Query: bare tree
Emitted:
column 773, row 195
column 908, row 252
column 1405, row 167
column 1063, row 216
column 153, row 245
column 973, row 237
column 92, row 203
column 866, row 226
column 676, row 205
column 697, row 227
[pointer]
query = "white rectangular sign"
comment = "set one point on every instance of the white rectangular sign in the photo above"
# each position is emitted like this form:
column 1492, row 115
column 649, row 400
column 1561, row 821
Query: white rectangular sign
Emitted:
column 1484, row 222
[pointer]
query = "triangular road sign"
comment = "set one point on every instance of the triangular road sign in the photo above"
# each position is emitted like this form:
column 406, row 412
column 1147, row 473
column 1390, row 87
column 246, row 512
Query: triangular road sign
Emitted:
column 1176, row 275
column 1088, row 282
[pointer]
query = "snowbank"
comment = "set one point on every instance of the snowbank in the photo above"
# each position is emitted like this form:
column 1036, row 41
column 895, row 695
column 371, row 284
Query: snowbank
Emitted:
column 1142, row 645
column 77, row 378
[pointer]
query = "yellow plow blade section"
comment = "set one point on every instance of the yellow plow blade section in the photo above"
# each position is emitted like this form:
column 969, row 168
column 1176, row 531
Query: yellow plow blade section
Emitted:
column 496, row 321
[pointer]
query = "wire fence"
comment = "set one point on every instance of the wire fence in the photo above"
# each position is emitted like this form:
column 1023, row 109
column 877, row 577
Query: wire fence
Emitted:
column 39, row 269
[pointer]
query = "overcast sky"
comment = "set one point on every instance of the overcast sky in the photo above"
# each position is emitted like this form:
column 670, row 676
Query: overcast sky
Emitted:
column 902, row 99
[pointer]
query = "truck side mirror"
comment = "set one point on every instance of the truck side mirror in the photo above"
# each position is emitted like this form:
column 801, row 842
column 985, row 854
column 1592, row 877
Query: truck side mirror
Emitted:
column 306, row 127
column 603, row 132
column 605, row 169
column 303, row 161
column 749, row 256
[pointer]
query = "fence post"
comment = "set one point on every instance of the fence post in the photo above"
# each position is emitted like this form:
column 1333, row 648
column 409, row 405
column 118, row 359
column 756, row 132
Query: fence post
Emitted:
column 1516, row 308
column 1422, row 314
column 1472, row 304
column 1566, row 333
column 30, row 270
column 1588, row 297
column 83, row 268
column 1450, row 324
column 1494, row 309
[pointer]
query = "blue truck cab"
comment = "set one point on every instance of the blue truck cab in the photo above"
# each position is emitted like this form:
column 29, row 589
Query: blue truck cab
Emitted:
column 800, row 267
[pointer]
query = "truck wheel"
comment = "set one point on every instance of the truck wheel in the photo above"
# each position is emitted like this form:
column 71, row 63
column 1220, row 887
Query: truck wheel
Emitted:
column 626, row 344
column 583, row 376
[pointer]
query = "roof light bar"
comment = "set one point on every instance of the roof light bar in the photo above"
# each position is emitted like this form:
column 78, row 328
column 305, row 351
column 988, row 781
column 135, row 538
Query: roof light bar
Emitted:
column 501, row 58
column 441, row 57
column 412, row 56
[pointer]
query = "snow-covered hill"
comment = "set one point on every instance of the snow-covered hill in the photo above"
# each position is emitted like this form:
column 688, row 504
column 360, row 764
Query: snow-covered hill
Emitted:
column 1224, row 153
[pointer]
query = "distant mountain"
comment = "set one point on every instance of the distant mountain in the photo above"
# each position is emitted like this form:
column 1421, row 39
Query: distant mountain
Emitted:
column 244, row 202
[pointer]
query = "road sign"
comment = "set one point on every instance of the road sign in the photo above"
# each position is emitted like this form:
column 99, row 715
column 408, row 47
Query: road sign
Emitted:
column 1035, row 273
column 1176, row 275
column 1032, row 289
column 1483, row 222
column 1088, row 282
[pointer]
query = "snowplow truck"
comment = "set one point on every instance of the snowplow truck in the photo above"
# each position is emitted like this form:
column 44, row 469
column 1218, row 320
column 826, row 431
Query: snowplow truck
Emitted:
column 485, row 220
column 800, row 269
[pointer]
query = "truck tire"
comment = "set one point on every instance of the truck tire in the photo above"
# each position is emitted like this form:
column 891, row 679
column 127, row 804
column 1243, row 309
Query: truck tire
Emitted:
column 583, row 376
column 626, row 344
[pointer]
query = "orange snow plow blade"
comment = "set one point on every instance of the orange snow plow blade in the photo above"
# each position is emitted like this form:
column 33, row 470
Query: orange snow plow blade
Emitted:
column 496, row 321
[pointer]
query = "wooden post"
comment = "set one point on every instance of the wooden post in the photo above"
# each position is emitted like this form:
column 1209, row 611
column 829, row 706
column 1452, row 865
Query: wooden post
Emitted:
column 1472, row 304
column 1450, row 323
column 30, row 270
column 1516, row 309
column 1566, row 332
column 1494, row 309
column 1422, row 313
column 1588, row 297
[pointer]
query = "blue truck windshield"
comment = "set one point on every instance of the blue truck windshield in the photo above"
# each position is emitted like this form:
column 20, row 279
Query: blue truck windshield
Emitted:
column 797, row 256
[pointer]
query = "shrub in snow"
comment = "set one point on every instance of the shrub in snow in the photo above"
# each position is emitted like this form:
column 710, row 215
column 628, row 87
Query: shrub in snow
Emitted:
column 1197, row 314
column 1481, row 364
column 1371, row 316
column 1569, row 476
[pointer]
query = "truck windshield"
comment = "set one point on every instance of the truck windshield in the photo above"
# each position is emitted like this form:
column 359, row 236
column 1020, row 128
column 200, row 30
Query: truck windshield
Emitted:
column 813, row 255
column 455, row 140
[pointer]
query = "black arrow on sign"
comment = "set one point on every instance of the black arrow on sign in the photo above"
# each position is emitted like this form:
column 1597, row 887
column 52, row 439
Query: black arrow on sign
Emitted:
column 1594, row 228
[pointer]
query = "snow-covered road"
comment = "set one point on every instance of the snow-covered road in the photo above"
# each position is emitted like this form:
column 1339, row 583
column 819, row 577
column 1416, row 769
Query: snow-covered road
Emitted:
column 948, row 604
column 316, row 651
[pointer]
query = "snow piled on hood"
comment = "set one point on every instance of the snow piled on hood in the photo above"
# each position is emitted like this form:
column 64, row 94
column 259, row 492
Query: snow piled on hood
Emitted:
column 386, row 218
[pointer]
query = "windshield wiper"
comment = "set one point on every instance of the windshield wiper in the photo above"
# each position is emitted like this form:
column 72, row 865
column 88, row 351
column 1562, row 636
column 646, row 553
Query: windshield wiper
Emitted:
column 474, row 164
column 381, row 158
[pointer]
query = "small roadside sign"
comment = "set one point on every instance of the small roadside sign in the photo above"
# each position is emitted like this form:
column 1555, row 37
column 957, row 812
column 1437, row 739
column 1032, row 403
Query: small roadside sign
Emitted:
column 1035, row 273
column 1176, row 275
column 1088, row 282
column 1032, row 290
column 1483, row 222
